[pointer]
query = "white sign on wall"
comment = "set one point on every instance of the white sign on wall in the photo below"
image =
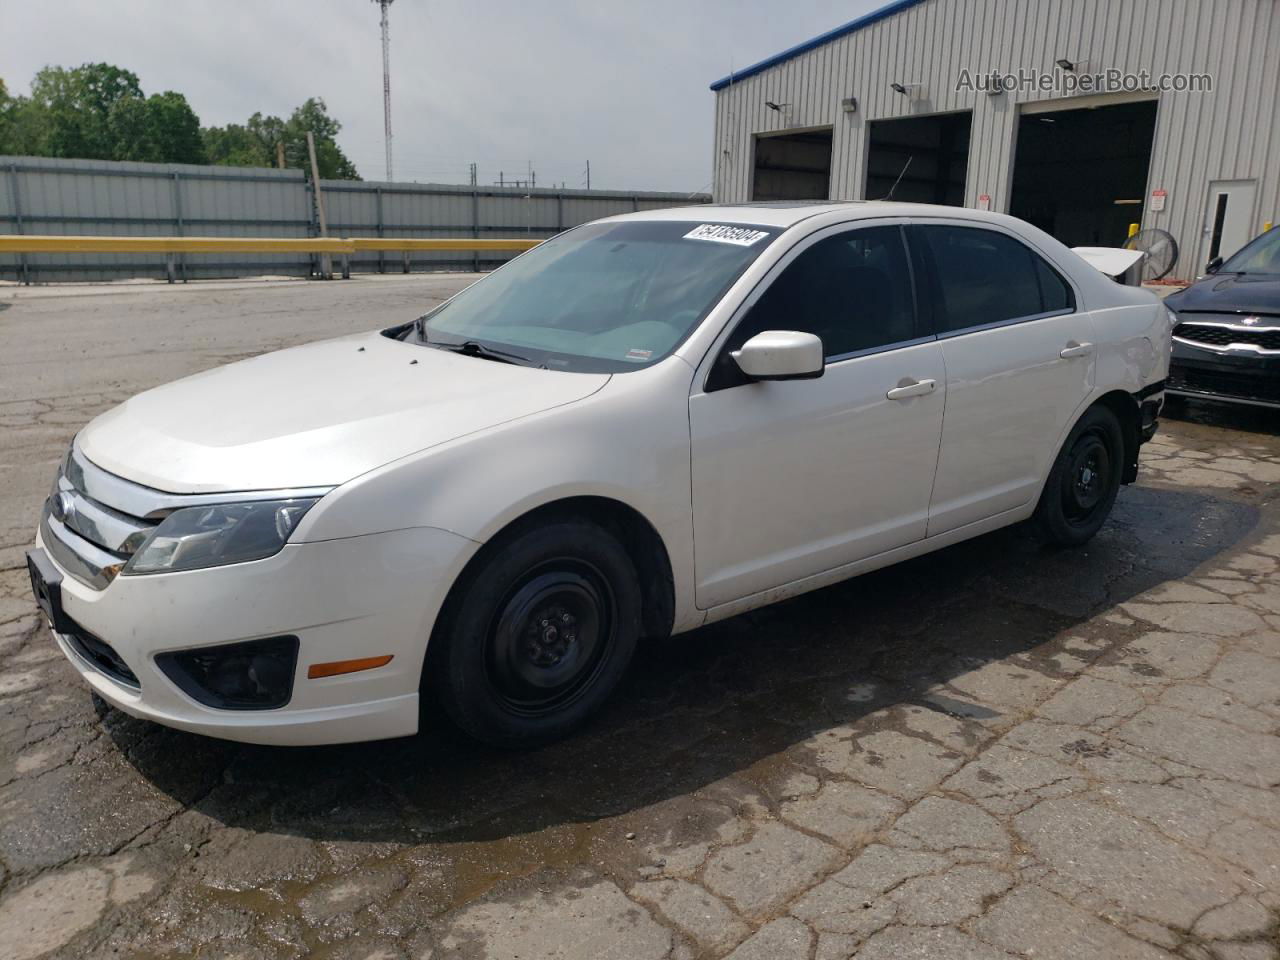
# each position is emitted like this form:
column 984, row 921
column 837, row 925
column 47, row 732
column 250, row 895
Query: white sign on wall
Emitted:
column 1158, row 197
column 984, row 201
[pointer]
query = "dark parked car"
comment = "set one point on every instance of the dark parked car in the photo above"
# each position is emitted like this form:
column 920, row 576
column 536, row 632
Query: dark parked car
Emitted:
column 1226, row 343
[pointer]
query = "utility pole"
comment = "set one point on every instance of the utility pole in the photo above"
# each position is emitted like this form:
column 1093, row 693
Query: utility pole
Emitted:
column 386, row 77
column 326, row 264
column 588, row 174
column 280, row 154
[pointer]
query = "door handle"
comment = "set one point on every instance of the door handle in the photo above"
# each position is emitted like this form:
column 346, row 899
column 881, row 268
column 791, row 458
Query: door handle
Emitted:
column 1074, row 349
column 908, row 388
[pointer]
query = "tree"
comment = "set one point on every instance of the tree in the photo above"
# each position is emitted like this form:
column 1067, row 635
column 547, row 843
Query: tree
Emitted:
column 22, row 127
column 314, row 116
column 76, row 106
column 97, row 111
column 254, row 144
column 234, row 146
column 161, row 129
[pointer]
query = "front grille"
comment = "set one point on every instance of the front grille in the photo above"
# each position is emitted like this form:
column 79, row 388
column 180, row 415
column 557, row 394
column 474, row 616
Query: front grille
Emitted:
column 1261, row 388
column 89, row 527
column 1214, row 335
column 101, row 655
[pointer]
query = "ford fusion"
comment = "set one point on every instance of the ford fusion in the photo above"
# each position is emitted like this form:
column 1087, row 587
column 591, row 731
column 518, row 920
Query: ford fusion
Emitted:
column 646, row 424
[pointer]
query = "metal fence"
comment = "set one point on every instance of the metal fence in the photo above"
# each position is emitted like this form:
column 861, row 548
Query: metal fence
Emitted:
column 43, row 196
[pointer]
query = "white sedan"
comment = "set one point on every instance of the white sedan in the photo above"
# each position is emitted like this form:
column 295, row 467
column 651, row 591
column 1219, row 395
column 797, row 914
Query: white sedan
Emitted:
column 643, row 425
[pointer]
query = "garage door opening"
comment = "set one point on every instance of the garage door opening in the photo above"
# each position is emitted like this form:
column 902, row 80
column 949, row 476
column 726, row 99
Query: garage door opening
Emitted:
column 1081, row 175
column 925, row 156
column 793, row 166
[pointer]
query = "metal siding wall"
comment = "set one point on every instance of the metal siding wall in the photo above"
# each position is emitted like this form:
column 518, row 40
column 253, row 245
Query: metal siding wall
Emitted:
column 1227, row 134
column 100, row 198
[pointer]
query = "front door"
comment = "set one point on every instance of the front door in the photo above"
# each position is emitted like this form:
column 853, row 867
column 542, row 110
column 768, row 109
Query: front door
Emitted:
column 1019, row 361
column 1228, row 219
column 794, row 478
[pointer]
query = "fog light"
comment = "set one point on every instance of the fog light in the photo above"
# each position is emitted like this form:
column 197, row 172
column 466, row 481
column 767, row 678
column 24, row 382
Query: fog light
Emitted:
column 254, row 675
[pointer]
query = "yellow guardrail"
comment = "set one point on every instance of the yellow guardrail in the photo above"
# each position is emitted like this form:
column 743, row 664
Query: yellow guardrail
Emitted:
column 30, row 243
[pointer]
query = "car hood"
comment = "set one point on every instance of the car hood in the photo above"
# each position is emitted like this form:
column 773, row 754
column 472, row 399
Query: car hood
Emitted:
column 315, row 415
column 1229, row 294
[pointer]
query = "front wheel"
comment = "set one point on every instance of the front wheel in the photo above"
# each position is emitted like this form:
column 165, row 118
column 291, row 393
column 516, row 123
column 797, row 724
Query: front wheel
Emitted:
column 538, row 635
column 1084, row 480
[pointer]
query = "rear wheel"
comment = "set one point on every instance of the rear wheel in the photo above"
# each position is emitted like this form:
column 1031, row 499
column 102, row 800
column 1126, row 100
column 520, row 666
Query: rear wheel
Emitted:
column 538, row 636
column 1084, row 481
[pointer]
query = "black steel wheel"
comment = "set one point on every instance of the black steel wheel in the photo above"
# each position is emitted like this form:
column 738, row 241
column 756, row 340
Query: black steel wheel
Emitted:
column 1084, row 480
column 1089, row 470
column 548, row 640
column 536, row 634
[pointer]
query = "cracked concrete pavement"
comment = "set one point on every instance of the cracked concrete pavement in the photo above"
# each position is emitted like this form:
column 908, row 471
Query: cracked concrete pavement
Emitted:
column 996, row 751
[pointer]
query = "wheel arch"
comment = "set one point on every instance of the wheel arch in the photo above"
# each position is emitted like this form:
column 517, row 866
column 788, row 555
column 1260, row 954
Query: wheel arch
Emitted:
column 1125, row 406
column 638, row 536
column 1126, row 409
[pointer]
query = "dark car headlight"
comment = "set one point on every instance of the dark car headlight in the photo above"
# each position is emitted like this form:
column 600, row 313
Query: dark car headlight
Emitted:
column 197, row 537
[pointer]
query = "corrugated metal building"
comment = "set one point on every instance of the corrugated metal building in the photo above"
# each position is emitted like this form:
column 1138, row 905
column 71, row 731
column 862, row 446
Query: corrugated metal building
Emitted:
column 1051, row 110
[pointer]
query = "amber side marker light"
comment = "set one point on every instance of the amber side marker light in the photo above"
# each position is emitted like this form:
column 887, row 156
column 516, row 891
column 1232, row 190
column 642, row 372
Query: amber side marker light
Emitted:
column 339, row 667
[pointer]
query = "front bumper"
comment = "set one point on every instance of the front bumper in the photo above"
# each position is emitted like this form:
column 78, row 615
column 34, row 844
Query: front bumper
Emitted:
column 343, row 599
column 1245, row 377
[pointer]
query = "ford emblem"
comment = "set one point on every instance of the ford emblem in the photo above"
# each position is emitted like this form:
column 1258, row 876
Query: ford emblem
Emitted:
column 62, row 506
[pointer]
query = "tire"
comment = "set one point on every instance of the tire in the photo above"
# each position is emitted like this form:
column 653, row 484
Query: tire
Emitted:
column 1083, row 483
column 538, row 634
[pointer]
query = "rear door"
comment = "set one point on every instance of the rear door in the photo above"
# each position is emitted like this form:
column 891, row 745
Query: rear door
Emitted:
column 794, row 478
column 1019, row 362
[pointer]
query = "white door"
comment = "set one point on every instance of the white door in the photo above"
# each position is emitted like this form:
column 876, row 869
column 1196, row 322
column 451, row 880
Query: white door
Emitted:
column 795, row 478
column 1019, row 362
column 1228, row 218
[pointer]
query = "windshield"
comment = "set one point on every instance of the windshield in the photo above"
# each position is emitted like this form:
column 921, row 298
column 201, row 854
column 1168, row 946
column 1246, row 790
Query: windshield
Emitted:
column 605, row 297
column 1260, row 256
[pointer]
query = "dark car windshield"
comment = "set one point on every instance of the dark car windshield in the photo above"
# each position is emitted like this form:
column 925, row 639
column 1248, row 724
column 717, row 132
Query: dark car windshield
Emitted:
column 1260, row 256
column 604, row 297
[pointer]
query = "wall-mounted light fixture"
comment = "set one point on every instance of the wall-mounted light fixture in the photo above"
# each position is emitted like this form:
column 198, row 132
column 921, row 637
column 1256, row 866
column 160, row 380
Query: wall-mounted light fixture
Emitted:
column 776, row 107
column 906, row 89
column 1071, row 66
column 849, row 104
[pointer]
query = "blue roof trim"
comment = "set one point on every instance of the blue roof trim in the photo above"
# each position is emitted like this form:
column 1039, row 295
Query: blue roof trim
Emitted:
column 853, row 25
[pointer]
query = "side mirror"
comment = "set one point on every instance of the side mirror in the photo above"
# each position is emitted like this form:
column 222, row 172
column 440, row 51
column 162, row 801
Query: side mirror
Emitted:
column 1213, row 266
column 781, row 355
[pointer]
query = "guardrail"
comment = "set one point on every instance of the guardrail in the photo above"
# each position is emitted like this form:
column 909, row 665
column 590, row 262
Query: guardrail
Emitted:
column 325, row 246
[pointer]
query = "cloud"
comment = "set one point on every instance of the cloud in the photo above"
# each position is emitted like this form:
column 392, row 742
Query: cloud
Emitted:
column 505, row 84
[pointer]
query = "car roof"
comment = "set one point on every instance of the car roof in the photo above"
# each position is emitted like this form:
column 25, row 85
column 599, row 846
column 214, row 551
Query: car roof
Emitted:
column 787, row 213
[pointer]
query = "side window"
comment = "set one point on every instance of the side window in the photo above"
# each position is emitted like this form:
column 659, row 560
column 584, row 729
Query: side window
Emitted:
column 853, row 290
column 986, row 277
column 1054, row 292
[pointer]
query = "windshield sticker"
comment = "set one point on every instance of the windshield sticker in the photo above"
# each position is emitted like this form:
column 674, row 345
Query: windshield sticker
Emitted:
column 720, row 233
column 638, row 356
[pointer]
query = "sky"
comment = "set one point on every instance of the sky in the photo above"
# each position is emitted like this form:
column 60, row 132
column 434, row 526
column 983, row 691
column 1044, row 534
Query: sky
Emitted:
column 509, row 85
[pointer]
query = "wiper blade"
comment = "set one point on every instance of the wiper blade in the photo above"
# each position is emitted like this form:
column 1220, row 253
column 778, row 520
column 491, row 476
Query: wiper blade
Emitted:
column 471, row 348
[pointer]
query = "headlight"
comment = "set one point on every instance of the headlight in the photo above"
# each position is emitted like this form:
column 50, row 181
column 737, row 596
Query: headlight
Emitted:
column 196, row 537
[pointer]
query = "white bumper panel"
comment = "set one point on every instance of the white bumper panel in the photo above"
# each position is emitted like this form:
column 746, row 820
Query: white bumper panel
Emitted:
column 343, row 599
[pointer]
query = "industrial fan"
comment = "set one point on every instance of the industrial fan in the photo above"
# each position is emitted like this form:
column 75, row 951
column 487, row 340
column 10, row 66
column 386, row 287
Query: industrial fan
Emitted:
column 1161, row 252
